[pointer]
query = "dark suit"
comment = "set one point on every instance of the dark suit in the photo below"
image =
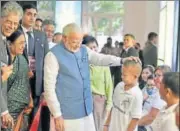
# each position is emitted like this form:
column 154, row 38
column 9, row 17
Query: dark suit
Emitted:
column 3, row 85
column 150, row 54
column 41, row 49
column 141, row 57
column 130, row 52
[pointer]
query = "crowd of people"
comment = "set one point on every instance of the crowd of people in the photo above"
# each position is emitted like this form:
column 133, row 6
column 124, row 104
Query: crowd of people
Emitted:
column 60, row 82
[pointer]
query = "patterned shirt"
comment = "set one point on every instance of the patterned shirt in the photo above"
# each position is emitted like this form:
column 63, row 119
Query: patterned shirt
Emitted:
column 18, row 82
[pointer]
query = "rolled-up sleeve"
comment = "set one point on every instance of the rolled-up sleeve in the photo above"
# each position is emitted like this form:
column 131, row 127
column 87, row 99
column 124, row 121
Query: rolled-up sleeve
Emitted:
column 99, row 59
column 51, row 69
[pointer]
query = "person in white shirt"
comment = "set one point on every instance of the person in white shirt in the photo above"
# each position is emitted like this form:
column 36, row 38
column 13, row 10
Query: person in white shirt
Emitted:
column 152, row 104
column 67, row 80
column 49, row 28
column 127, row 100
column 169, row 91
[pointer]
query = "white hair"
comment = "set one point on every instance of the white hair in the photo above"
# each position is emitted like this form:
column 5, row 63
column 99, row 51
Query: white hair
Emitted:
column 11, row 7
column 71, row 28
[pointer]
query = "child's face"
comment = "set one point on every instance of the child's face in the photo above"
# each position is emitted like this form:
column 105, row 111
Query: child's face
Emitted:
column 145, row 74
column 127, row 76
column 128, row 41
column 151, row 83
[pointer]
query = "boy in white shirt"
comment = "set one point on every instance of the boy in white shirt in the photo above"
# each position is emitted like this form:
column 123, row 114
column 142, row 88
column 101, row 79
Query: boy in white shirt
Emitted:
column 127, row 100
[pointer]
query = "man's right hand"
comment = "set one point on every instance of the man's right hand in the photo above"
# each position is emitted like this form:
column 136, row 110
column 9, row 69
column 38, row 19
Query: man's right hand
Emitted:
column 6, row 72
column 105, row 128
column 7, row 121
column 59, row 124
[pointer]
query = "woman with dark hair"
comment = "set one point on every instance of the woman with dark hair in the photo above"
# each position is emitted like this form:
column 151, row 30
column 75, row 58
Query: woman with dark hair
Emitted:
column 159, row 72
column 101, row 85
column 18, row 92
column 147, row 71
column 169, row 91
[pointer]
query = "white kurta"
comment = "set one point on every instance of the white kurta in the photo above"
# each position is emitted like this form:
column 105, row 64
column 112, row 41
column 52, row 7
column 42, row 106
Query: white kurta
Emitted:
column 51, row 69
column 83, row 124
column 51, row 44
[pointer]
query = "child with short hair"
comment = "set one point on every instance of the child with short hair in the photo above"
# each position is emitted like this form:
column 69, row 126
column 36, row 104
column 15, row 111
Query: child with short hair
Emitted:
column 127, row 100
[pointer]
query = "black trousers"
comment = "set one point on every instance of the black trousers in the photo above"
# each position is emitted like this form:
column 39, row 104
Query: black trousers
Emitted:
column 116, row 74
column 44, row 123
column 45, row 119
column 141, row 128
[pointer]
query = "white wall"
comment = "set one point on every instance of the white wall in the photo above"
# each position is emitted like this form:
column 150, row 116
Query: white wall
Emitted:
column 141, row 17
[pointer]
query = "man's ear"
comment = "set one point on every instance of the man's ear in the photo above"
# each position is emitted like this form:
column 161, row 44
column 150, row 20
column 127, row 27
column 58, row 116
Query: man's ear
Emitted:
column 169, row 93
column 64, row 38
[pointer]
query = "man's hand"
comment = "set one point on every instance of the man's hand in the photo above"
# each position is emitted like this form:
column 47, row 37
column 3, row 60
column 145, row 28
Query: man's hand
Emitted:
column 105, row 128
column 131, row 58
column 107, row 120
column 7, row 121
column 6, row 72
column 59, row 124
